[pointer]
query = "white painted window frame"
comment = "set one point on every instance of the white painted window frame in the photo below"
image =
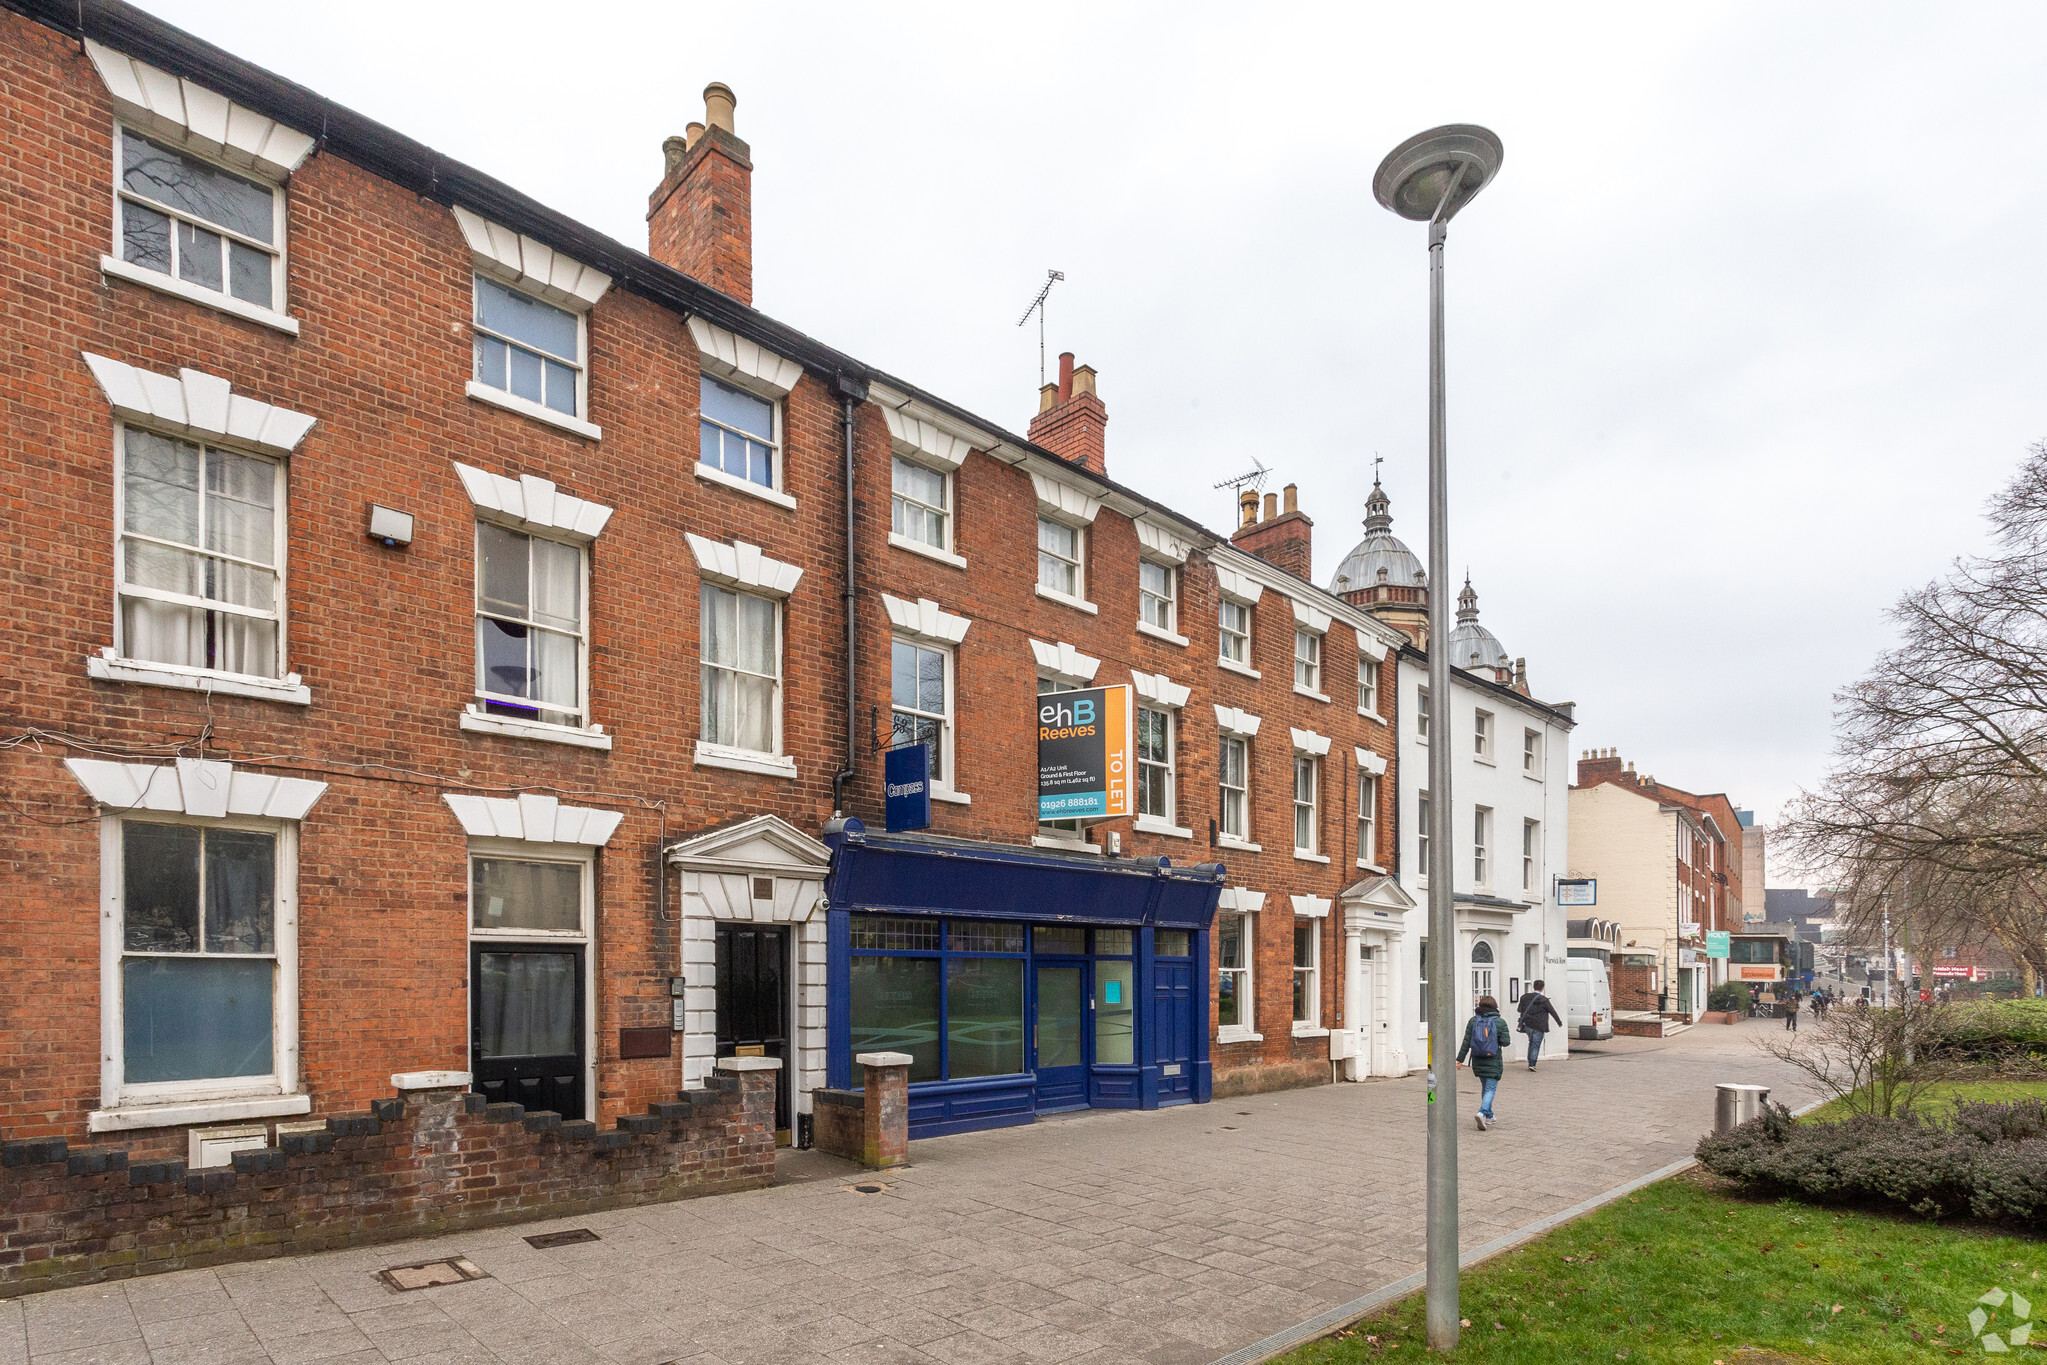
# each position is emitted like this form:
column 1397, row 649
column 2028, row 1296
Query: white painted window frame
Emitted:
column 777, row 401
column 1225, row 633
column 276, row 316
column 1313, row 994
column 1368, row 818
column 1170, row 631
column 479, row 697
column 941, row 787
column 713, row 747
column 1482, row 847
column 1078, row 598
column 1240, row 837
column 1421, row 715
column 579, row 420
column 116, row 1095
column 1424, row 821
column 1484, row 735
column 1169, row 823
column 251, row 684
column 1308, row 664
column 1531, row 754
column 1310, row 767
column 946, row 514
column 1247, row 988
column 1531, row 855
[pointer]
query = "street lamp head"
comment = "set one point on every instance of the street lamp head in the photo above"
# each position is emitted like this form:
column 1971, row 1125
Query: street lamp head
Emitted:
column 1415, row 176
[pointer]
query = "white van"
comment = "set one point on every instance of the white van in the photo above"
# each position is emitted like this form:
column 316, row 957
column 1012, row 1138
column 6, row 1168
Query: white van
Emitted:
column 1589, row 1007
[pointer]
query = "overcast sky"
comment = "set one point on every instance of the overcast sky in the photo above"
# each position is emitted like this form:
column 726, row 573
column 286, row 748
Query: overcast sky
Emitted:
column 1742, row 337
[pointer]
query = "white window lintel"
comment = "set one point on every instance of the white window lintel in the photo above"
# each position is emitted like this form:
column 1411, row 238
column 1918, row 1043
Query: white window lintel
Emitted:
column 1240, row 900
column 201, row 787
column 197, row 404
column 728, row 355
column 531, row 265
column 742, row 565
column 925, row 620
column 1063, row 501
column 1311, row 907
column 1308, row 742
column 1371, row 762
column 1232, row 721
column 532, row 818
column 1160, row 690
column 924, row 442
column 1238, row 587
column 1065, row 662
column 1159, row 543
column 1371, row 647
column 533, row 503
column 1305, row 615
column 176, row 110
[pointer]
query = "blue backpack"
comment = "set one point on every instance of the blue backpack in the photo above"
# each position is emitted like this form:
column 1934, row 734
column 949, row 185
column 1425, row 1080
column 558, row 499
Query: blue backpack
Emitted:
column 1485, row 1035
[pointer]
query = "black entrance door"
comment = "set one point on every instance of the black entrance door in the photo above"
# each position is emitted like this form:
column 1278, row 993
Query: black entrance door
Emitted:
column 753, row 1003
column 526, row 1031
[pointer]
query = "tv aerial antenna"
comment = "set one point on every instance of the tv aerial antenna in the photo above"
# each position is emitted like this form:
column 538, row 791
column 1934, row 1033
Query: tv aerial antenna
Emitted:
column 1052, row 277
column 1252, row 478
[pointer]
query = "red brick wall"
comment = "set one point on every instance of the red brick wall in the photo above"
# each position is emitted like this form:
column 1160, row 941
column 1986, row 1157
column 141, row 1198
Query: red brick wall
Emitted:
column 440, row 1163
column 700, row 218
column 1630, row 985
column 1286, row 541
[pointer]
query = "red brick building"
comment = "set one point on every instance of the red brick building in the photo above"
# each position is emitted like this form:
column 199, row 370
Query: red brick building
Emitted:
column 445, row 637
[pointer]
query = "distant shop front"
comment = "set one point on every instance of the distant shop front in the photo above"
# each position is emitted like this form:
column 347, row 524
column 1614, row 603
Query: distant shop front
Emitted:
column 1020, row 980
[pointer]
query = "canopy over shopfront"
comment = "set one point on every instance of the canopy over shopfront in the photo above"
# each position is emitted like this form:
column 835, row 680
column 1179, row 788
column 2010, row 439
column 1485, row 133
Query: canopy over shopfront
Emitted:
column 1021, row 980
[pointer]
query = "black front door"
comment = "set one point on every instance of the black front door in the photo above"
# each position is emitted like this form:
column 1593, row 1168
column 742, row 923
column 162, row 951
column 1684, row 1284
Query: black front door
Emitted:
column 753, row 1003
column 526, row 1030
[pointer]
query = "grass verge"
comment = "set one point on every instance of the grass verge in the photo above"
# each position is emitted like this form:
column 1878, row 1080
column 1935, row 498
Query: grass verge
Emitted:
column 1685, row 1273
column 1939, row 1100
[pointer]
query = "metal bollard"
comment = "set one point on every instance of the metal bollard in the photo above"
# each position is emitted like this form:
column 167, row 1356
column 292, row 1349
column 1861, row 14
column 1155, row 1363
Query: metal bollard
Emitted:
column 1734, row 1105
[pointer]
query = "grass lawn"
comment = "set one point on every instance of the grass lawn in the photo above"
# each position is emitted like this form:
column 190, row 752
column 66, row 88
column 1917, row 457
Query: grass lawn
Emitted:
column 1684, row 1273
column 1940, row 1098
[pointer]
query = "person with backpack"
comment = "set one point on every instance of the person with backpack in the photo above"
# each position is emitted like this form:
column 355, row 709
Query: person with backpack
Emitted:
column 1536, row 1014
column 1791, row 1010
column 1485, row 1042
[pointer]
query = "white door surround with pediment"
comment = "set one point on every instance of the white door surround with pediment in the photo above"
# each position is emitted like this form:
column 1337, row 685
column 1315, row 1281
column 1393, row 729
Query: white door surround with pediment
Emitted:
column 1375, row 911
column 762, row 870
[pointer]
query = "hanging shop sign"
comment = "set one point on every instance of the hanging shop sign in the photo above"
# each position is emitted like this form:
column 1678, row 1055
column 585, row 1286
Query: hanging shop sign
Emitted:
column 906, row 775
column 1577, row 891
column 1086, row 754
column 1717, row 943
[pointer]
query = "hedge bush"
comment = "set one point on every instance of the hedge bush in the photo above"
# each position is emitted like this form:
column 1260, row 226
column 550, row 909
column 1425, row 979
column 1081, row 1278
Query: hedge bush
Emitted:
column 2007, row 1032
column 1728, row 995
column 1989, row 1160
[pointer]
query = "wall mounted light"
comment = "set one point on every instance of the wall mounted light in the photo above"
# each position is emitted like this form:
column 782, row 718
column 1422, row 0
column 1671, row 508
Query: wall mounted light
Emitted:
column 391, row 526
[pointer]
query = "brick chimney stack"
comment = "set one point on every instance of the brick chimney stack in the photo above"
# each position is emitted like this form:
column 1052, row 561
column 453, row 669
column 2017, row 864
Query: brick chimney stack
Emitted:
column 1071, row 418
column 1600, row 765
column 700, row 217
column 1285, row 537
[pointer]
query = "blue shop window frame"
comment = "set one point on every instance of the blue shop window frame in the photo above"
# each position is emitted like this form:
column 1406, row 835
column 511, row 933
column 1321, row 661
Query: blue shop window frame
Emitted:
column 945, row 1105
column 1170, row 1053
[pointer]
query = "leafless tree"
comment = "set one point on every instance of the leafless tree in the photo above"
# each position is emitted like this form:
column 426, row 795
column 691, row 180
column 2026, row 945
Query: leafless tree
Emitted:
column 1936, row 809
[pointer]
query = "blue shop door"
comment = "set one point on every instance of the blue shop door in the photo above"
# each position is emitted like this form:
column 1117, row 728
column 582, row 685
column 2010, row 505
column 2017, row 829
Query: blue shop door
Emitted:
column 1173, row 1029
column 1060, row 1036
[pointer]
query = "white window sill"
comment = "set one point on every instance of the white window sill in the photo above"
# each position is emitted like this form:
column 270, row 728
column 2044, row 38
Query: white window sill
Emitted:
column 481, row 723
column 918, row 547
column 1069, row 845
column 1241, row 845
column 1235, row 667
column 1151, row 824
column 106, row 666
column 1237, row 1033
column 1302, row 855
column 744, row 761
column 130, row 1117
column 1372, row 716
column 1306, row 1030
column 942, row 792
column 1301, row 691
column 192, row 293
column 1532, row 777
column 1156, row 633
column 712, row 474
column 1486, row 762
column 1077, row 603
column 526, row 407
column 1371, row 867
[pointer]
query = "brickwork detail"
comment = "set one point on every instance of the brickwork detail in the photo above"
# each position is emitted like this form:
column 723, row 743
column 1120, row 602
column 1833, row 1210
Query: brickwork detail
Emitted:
column 443, row 1161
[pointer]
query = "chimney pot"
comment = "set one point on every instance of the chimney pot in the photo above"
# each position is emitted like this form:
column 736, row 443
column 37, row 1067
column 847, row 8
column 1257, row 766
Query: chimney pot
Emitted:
column 691, row 133
column 1048, row 398
column 1083, row 379
column 1292, row 501
column 1065, row 375
column 672, row 150
column 718, row 105
column 1271, row 506
column 1247, row 507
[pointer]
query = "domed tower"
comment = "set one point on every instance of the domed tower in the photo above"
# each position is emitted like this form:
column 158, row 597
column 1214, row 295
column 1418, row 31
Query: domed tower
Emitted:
column 1382, row 576
column 1473, row 647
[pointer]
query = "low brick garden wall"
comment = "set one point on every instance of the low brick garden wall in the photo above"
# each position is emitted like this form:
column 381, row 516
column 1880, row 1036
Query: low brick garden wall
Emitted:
column 440, row 1161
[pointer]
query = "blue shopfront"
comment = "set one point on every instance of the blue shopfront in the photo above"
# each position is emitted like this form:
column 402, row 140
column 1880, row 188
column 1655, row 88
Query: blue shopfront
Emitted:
column 1022, row 981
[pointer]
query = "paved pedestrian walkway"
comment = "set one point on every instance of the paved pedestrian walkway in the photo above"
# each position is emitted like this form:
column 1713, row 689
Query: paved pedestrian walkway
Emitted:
column 1169, row 1237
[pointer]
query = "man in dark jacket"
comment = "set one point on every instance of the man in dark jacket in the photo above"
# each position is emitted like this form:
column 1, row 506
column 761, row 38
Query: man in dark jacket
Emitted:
column 1536, row 1014
column 1485, row 1042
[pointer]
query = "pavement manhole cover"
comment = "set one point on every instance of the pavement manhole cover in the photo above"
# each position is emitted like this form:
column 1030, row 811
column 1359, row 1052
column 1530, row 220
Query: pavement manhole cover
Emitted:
column 427, row 1274
column 867, row 1187
column 544, row 1240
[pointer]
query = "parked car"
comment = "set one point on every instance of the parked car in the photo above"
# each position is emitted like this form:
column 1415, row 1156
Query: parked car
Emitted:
column 1589, row 1007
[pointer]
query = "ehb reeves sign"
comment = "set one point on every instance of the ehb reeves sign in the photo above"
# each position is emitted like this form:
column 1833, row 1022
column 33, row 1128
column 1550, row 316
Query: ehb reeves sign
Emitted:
column 1086, row 754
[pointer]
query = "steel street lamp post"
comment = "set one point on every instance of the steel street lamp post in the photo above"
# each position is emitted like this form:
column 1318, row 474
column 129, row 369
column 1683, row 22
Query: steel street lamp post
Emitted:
column 1428, row 178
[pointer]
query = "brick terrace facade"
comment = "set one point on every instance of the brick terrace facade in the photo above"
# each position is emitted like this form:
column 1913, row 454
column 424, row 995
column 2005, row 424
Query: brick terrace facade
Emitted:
column 379, row 280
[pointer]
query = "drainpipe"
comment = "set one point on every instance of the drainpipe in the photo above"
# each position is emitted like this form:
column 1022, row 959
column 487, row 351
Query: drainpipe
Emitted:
column 851, row 392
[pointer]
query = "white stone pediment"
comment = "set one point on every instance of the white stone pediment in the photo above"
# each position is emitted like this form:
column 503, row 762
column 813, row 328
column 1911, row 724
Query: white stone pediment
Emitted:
column 724, row 870
column 765, row 843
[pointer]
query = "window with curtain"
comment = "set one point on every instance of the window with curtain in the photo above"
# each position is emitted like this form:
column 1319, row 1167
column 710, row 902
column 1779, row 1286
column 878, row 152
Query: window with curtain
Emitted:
column 529, row 626
column 1234, row 620
column 528, row 348
column 1481, row 846
column 1232, row 770
column 737, row 434
column 741, row 641
column 1306, row 826
column 1155, row 763
column 1307, row 976
column 1482, row 736
column 1307, row 660
column 199, row 952
column 199, row 223
column 1234, row 1006
column 1368, row 684
column 1155, row 595
column 1531, row 847
column 1059, row 558
column 918, row 504
column 918, row 713
column 201, row 555
column 1368, row 818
